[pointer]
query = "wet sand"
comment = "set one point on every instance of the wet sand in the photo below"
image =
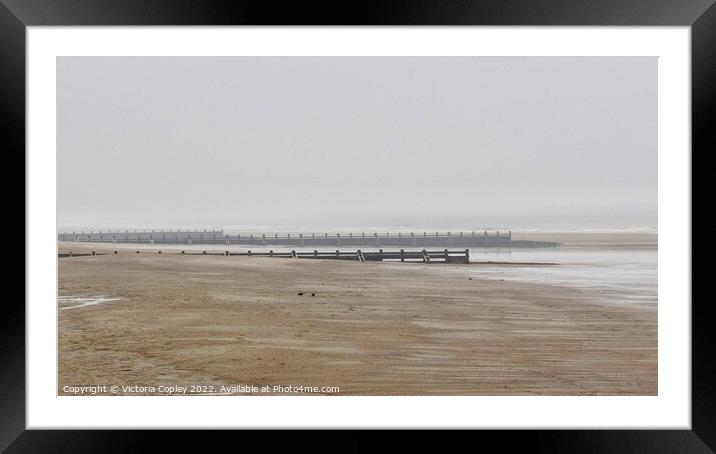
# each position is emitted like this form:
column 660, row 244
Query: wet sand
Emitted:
column 371, row 329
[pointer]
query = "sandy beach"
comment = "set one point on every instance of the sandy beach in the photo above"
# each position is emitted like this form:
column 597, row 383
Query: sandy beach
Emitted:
column 371, row 328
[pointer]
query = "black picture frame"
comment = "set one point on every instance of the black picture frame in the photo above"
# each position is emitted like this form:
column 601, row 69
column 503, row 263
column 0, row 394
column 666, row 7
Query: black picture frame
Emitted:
column 700, row 15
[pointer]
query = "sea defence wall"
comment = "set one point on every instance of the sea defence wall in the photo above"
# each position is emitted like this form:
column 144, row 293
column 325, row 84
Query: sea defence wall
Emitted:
column 407, row 239
column 146, row 236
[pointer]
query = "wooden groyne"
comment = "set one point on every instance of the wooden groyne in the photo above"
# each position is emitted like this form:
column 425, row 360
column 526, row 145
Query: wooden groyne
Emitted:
column 403, row 239
column 425, row 256
column 443, row 256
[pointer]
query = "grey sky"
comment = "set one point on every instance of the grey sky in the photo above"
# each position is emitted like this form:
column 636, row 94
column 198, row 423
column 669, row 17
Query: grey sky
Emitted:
column 334, row 142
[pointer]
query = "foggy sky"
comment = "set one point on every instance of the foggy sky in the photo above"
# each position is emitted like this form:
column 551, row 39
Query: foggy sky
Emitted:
column 468, row 142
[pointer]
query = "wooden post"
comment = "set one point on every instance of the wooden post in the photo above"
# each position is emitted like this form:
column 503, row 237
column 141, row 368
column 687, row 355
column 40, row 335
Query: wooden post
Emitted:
column 467, row 255
column 270, row 253
column 381, row 254
column 446, row 255
column 402, row 255
column 338, row 253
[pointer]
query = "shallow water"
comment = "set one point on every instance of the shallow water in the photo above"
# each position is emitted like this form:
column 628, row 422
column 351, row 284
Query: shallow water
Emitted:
column 628, row 275
column 74, row 302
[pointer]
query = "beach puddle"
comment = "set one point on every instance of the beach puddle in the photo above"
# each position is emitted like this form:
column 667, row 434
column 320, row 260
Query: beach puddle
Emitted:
column 74, row 302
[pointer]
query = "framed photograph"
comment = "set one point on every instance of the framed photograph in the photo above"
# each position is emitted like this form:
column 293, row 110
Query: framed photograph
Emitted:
column 414, row 216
